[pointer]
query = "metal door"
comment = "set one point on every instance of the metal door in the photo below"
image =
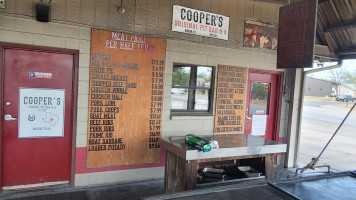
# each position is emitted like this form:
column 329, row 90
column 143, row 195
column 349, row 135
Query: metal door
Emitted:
column 262, row 110
column 36, row 86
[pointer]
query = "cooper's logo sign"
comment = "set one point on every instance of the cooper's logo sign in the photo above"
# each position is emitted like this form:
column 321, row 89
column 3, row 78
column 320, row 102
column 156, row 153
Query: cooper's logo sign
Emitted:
column 197, row 22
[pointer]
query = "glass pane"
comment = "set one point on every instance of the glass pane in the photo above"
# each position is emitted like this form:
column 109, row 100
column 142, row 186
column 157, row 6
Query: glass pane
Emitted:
column 201, row 99
column 179, row 98
column 259, row 101
column 181, row 76
column 204, row 77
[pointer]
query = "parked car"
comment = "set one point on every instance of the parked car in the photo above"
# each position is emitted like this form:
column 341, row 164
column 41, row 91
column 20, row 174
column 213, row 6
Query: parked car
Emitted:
column 178, row 91
column 345, row 98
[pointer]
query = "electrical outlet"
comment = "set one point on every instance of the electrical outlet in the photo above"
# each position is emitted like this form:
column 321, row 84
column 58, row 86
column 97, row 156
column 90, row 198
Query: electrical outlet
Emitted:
column 2, row 3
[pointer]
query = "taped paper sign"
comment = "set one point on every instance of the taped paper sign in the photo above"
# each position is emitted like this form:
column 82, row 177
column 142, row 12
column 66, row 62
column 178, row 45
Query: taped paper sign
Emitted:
column 41, row 112
column 259, row 123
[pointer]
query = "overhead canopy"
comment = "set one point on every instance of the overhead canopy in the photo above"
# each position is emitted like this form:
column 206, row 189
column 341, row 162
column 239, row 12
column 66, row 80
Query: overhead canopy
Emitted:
column 335, row 29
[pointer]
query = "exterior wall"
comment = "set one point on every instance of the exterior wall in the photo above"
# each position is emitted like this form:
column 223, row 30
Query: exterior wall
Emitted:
column 70, row 25
column 317, row 87
column 346, row 90
column 185, row 52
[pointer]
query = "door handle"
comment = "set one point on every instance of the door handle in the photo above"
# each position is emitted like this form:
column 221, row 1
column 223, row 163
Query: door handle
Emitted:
column 8, row 117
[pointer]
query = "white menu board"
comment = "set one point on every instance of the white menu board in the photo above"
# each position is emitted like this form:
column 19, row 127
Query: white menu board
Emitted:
column 198, row 22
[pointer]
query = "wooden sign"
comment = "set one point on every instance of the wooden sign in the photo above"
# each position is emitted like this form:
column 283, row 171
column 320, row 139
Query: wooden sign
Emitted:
column 230, row 99
column 125, row 99
column 296, row 35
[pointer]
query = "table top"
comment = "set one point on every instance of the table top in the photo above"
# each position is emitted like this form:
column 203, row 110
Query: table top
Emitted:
column 230, row 145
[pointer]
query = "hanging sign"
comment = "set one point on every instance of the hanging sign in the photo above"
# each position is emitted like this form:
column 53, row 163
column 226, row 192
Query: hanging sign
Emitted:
column 296, row 35
column 41, row 112
column 197, row 22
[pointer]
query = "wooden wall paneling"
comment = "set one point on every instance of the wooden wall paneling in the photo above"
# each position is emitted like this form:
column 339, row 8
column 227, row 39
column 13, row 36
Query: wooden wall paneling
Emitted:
column 240, row 19
column 232, row 13
column 249, row 6
column 125, row 99
column 264, row 11
column 257, row 9
column 276, row 12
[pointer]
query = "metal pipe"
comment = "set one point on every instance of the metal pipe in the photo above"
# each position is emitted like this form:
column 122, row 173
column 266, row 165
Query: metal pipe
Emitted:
column 301, row 102
column 340, row 63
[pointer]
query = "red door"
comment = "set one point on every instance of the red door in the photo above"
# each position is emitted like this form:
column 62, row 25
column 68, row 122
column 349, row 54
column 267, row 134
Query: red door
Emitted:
column 37, row 129
column 262, row 108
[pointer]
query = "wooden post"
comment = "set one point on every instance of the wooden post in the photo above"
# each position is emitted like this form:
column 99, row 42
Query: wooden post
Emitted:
column 180, row 175
column 269, row 166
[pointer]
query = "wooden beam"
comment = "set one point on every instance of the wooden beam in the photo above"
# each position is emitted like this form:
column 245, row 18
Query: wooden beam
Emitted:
column 322, row 50
column 340, row 26
column 347, row 52
column 322, row 1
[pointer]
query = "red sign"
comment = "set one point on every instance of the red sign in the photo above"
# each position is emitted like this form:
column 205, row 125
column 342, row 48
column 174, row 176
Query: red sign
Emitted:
column 296, row 35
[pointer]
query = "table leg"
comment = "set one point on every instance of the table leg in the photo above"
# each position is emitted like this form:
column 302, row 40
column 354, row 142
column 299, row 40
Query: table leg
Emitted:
column 269, row 166
column 179, row 174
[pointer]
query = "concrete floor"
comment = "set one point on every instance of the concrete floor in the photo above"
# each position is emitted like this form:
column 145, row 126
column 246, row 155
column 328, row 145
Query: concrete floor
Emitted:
column 135, row 190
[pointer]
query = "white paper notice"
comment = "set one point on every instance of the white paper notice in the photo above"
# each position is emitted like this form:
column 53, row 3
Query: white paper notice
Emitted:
column 41, row 112
column 259, row 124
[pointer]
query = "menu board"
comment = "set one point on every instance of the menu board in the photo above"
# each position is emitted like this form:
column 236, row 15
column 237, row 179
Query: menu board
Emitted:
column 125, row 99
column 230, row 99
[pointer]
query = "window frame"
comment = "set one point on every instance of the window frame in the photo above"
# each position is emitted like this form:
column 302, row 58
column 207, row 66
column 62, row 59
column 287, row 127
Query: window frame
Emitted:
column 191, row 92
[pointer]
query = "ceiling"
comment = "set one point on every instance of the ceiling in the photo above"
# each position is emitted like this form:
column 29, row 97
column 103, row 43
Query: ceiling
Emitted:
column 335, row 29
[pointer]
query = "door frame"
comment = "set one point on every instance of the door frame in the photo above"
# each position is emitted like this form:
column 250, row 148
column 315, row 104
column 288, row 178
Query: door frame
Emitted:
column 75, row 53
column 277, row 114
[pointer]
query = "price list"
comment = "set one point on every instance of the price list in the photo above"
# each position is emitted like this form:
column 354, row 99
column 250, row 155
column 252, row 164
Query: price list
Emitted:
column 107, row 89
column 230, row 99
column 156, row 103
column 125, row 99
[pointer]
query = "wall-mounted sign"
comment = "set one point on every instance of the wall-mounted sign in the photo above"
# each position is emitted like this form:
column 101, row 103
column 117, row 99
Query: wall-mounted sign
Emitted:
column 260, row 34
column 41, row 112
column 125, row 99
column 296, row 35
column 266, row 87
column 39, row 75
column 197, row 22
column 259, row 124
column 230, row 99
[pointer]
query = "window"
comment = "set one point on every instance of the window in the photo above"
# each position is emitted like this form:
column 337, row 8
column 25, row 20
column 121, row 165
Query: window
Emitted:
column 259, row 102
column 191, row 90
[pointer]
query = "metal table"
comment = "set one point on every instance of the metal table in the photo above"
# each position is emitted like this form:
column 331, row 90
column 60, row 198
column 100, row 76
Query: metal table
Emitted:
column 183, row 161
